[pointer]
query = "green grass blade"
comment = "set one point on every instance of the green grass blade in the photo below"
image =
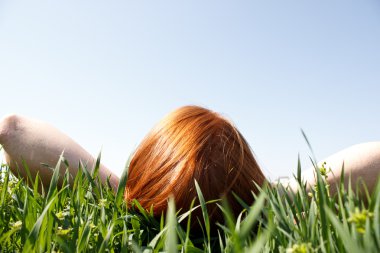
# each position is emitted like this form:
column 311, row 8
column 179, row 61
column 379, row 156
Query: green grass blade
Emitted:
column 34, row 233
column 54, row 179
column 4, row 188
column 84, row 237
column 299, row 175
column 96, row 168
column 252, row 216
column 344, row 234
column 309, row 145
column 27, row 170
column 122, row 184
column 105, row 243
column 7, row 235
column 260, row 241
column 322, row 198
column 204, row 210
column 171, row 224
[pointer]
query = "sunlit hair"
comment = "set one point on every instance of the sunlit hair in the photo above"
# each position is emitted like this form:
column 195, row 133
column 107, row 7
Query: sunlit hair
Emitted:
column 192, row 143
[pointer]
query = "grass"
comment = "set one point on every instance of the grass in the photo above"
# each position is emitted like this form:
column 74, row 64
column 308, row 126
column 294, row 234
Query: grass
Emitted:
column 89, row 217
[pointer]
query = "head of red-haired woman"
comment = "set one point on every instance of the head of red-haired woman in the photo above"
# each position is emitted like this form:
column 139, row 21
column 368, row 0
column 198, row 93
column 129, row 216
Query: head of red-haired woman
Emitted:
column 193, row 144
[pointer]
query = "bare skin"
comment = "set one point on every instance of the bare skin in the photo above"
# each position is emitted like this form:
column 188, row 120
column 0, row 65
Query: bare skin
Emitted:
column 361, row 162
column 35, row 142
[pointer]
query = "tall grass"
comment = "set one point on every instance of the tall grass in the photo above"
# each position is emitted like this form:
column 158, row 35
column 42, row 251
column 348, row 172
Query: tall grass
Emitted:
column 84, row 215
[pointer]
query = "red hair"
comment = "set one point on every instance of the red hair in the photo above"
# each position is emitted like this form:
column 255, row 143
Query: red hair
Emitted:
column 192, row 143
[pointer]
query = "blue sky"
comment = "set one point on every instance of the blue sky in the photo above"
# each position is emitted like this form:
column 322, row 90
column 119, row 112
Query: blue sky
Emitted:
column 106, row 72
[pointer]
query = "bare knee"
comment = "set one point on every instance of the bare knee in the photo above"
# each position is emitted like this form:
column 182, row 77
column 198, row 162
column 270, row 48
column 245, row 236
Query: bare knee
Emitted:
column 7, row 125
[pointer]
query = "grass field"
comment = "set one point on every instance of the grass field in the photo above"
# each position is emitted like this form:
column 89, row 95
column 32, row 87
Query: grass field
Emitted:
column 89, row 217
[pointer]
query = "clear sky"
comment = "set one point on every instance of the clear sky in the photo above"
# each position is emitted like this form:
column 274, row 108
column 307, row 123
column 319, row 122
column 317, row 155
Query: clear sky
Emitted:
column 105, row 72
